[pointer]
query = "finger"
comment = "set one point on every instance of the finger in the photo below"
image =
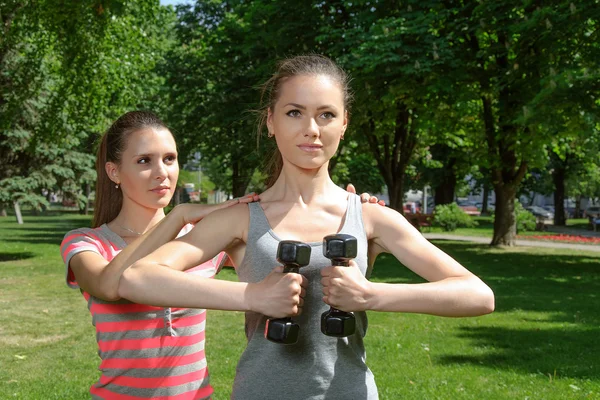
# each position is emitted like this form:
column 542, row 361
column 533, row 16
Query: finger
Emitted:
column 373, row 199
column 325, row 272
column 364, row 198
column 304, row 281
column 277, row 269
column 325, row 281
column 302, row 293
column 381, row 203
column 350, row 188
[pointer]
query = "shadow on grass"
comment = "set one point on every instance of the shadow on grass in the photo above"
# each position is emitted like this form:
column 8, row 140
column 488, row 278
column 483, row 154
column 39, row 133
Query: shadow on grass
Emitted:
column 43, row 230
column 560, row 352
column 16, row 256
column 561, row 287
column 565, row 285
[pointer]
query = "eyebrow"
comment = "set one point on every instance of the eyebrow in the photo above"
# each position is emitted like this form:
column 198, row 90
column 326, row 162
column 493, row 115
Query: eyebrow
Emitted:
column 304, row 108
column 153, row 154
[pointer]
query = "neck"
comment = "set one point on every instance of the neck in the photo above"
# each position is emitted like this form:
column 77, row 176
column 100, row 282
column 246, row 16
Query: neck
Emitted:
column 136, row 218
column 303, row 185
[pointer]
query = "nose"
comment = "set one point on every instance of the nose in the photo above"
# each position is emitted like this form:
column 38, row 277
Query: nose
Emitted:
column 312, row 129
column 161, row 171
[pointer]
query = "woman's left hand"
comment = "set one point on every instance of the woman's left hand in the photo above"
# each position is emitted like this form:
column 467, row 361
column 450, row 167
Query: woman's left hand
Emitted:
column 346, row 288
column 365, row 197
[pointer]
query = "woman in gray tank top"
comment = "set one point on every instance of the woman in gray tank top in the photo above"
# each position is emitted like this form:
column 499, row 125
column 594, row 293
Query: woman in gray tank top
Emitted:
column 307, row 115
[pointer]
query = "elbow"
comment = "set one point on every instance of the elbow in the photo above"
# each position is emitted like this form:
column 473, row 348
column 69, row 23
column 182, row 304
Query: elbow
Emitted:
column 127, row 282
column 486, row 300
column 110, row 295
column 107, row 290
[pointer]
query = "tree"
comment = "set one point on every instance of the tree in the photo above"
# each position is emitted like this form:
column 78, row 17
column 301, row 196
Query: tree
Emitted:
column 227, row 49
column 396, row 58
column 67, row 70
column 514, row 55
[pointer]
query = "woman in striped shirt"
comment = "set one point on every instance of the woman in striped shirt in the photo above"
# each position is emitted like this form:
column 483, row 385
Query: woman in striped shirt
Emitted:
column 145, row 351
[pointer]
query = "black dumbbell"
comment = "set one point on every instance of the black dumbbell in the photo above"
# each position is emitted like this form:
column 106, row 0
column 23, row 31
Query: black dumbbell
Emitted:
column 340, row 249
column 293, row 255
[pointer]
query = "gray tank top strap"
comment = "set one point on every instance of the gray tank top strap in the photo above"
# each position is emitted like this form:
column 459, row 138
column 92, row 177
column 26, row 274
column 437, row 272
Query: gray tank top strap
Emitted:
column 353, row 220
column 258, row 222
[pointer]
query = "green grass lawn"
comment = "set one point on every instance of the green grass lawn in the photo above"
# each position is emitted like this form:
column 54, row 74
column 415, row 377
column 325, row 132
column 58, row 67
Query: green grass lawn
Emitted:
column 540, row 343
column 485, row 228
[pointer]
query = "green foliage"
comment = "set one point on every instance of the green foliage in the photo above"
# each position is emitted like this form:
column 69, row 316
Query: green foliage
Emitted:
column 526, row 221
column 66, row 70
column 357, row 167
column 451, row 216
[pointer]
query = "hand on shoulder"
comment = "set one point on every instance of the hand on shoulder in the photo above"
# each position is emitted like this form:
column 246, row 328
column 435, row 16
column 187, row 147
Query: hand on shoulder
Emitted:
column 192, row 213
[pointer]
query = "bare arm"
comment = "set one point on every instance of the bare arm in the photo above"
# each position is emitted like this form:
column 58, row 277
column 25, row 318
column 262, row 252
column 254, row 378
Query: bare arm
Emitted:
column 101, row 278
column 157, row 279
column 451, row 291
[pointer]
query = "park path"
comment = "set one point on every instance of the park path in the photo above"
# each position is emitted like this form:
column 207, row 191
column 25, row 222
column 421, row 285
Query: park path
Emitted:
column 519, row 242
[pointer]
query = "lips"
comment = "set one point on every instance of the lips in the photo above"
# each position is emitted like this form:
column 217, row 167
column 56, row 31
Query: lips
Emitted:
column 310, row 147
column 162, row 190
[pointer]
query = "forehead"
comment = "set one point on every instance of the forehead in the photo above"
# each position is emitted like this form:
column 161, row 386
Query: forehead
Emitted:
column 311, row 90
column 150, row 140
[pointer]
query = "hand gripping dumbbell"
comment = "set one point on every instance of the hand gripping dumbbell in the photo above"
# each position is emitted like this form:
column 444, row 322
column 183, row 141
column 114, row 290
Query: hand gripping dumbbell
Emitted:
column 340, row 249
column 293, row 255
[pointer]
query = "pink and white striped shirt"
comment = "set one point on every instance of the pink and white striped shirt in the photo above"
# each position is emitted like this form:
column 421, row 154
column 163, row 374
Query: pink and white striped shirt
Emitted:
column 146, row 352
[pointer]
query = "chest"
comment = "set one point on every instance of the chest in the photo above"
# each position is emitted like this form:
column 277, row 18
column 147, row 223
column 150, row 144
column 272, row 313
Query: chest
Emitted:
column 305, row 224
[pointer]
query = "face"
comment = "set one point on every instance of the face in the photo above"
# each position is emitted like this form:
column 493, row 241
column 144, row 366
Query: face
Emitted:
column 308, row 120
column 148, row 170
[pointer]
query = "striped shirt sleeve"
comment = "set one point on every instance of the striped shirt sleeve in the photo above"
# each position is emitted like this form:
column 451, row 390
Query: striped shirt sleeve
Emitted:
column 75, row 242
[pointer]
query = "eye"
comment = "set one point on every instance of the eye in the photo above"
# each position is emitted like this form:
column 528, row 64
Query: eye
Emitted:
column 293, row 113
column 143, row 160
column 170, row 159
column 328, row 115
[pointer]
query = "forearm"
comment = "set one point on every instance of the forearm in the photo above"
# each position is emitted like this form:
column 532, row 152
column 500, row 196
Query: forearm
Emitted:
column 163, row 232
column 450, row 297
column 160, row 286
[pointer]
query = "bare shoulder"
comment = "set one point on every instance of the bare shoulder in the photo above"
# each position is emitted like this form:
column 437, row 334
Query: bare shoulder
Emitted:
column 376, row 218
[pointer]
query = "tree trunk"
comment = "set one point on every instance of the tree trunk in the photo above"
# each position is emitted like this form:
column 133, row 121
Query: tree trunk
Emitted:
column 240, row 178
column 505, row 222
column 86, row 207
column 444, row 191
column 558, row 177
column 486, row 196
column 18, row 213
column 396, row 193
column 3, row 212
column 393, row 151
column 577, row 211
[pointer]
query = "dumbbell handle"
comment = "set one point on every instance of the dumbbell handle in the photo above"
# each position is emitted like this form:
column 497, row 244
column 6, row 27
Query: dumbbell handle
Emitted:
column 291, row 268
column 339, row 263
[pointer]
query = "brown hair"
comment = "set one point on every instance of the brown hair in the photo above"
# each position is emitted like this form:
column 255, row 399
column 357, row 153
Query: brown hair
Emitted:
column 311, row 65
column 109, row 199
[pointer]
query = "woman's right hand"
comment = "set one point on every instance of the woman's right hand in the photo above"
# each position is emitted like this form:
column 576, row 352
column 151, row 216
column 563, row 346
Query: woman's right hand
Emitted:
column 192, row 213
column 278, row 295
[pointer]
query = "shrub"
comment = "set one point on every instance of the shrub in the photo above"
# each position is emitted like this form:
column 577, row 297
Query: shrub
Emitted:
column 525, row 220
column 451, row 216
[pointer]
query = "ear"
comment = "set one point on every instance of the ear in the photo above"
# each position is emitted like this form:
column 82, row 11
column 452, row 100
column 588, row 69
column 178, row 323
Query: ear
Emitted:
column 270, row 121
column 345, row 123
column 112, row 171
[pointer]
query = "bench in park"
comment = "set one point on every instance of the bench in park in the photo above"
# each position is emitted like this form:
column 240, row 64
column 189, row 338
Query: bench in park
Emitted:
column 419, row 220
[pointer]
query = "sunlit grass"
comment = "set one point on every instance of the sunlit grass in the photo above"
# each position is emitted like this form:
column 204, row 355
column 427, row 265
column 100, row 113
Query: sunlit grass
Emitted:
column 540, row 343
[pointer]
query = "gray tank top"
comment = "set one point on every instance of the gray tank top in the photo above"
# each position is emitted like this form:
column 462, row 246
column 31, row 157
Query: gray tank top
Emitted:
column 317, row 366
